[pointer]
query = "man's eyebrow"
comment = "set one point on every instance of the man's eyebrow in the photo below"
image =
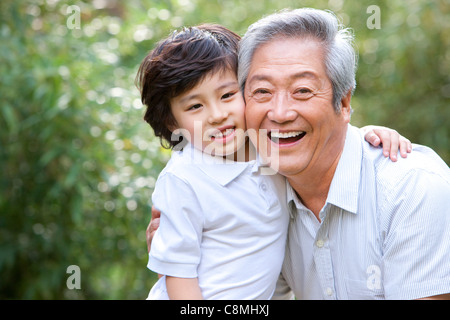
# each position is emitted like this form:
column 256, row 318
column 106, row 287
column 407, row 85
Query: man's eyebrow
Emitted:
column 299, row 75
column 260, row 77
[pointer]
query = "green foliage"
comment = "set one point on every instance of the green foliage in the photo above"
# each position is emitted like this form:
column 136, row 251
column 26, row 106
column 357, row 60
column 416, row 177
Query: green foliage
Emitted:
column 79, row 163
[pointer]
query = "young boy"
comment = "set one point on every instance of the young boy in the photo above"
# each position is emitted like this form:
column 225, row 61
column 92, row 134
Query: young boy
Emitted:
column 223, row 228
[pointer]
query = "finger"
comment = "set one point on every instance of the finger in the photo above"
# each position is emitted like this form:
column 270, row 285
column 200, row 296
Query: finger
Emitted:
column 154, row 225
column 373, row 139
column 386, row 143
column 405, row 147
column 155, row 213
column 150, row 232
column 148, row 236
column 393, row 152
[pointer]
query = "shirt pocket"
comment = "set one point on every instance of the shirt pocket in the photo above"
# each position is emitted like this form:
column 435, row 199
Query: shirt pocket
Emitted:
column 361, row 290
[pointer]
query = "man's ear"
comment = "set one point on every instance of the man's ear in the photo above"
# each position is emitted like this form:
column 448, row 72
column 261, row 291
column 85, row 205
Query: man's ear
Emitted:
column 346, row 109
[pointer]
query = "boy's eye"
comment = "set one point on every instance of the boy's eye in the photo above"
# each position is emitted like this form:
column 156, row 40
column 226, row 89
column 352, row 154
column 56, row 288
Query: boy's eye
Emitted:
column 195, row 107
column 228, row 95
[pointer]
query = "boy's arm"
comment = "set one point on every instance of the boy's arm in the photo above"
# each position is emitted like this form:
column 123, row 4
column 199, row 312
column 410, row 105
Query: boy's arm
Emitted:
column 390, row 139
column 183, row 288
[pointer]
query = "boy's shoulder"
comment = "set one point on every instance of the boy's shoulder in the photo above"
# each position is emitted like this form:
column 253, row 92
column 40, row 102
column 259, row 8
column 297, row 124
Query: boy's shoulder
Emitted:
column 180, row 165
column 200, row 169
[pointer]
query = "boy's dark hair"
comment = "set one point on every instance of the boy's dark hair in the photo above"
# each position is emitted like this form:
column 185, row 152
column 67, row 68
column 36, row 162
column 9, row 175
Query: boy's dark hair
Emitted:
column 178, row 64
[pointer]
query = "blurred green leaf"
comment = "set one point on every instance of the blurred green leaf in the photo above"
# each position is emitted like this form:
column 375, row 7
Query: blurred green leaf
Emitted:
column 73, row 138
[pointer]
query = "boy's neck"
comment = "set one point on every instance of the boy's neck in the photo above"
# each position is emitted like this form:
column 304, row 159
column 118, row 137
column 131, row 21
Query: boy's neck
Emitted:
column 246, row 153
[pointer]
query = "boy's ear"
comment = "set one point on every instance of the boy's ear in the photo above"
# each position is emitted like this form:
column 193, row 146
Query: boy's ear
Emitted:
column 172, row 128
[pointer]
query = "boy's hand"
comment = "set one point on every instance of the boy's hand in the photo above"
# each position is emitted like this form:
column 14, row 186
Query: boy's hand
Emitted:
column 152, row 227
column 390, row 139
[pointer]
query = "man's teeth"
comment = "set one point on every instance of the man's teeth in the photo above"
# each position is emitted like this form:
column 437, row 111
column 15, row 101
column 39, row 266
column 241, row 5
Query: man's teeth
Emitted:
column 222, row 134
column 285, row 134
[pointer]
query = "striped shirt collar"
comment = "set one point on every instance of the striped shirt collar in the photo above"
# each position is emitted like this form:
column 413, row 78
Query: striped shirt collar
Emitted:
column 344, row 187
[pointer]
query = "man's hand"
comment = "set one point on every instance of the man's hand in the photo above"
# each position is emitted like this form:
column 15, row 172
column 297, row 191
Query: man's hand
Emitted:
column 152, row 227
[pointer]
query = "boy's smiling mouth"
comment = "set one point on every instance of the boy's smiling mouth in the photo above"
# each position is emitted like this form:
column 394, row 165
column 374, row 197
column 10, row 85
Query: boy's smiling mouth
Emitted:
column 223, row 133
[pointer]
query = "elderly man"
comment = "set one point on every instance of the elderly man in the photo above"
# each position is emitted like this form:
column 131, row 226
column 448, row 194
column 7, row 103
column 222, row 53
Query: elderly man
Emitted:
column 362, row 227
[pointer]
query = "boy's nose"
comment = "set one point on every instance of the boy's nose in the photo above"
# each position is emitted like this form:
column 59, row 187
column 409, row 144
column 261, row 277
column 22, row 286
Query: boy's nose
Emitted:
column 217, row 115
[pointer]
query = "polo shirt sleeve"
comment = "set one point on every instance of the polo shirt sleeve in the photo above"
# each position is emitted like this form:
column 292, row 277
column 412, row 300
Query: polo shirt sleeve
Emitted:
column 416, row 249
column 175, row 249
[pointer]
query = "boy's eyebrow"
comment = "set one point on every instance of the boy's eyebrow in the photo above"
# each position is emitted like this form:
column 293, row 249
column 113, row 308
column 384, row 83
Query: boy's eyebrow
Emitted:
column 189, row 97
column 221, row 87
column 227, row 84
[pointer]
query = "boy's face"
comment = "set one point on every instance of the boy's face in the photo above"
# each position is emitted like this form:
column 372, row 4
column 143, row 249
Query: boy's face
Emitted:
column 211, row 115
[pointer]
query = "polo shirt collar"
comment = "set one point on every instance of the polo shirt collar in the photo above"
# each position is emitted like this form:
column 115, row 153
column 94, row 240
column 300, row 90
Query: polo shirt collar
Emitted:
column 221, row 170
column 344, row 187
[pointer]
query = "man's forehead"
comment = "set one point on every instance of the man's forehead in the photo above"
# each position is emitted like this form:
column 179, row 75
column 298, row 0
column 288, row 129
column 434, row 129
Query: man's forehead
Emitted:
column 293, row 57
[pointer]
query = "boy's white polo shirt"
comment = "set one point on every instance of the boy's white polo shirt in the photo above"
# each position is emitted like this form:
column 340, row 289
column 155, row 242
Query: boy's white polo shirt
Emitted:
column 220, row 222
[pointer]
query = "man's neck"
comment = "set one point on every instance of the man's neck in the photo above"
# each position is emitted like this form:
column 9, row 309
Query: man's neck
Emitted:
column 312, row 186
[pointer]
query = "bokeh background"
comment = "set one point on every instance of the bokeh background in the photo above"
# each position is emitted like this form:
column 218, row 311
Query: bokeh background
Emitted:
column 78, row 163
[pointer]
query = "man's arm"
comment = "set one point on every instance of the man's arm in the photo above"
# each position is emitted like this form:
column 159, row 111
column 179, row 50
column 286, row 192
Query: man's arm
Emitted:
column 415, row 220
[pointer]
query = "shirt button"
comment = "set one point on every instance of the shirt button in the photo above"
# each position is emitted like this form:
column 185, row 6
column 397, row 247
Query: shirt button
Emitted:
column 329, row 292
column 263, row 187
column 319, row 243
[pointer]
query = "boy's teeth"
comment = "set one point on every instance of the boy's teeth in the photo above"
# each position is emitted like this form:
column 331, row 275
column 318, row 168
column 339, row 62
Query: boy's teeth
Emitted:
column 286, row 134
column 222, row 134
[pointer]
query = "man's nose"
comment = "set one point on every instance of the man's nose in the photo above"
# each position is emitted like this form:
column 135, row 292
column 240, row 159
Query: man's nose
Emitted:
column 281, row 109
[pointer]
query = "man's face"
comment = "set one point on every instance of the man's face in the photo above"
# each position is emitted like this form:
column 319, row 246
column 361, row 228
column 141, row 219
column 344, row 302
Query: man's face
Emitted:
column 289, row 96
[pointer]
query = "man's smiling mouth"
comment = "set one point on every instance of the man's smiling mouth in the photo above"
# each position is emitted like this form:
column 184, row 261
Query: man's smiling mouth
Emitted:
column 286, row 137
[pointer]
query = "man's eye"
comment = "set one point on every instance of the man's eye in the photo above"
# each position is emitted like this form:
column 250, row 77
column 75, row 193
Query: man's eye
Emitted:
column 304, row 93
column 261, row 91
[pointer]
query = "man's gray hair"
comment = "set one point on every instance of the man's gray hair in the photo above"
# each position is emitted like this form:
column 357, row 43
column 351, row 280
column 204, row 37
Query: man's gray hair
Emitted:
column 323, row 26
